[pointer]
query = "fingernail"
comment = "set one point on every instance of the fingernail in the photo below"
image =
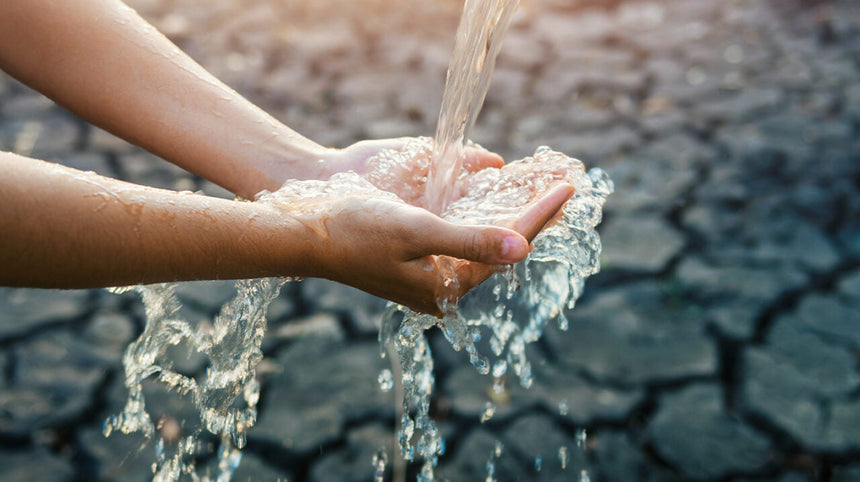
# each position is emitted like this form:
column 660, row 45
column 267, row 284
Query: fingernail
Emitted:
column 512, row 248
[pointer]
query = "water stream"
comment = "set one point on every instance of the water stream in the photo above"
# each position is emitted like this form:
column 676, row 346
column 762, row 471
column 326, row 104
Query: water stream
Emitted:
column 479, row 38
column 511, row 309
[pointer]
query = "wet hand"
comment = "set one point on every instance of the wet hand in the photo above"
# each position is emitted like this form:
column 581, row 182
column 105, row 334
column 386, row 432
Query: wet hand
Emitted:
column 407, row 254
column 384, row 164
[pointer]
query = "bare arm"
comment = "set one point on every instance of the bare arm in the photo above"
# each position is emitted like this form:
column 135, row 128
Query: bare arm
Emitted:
column 66, row 229
column 63, row 228
column 102, row 61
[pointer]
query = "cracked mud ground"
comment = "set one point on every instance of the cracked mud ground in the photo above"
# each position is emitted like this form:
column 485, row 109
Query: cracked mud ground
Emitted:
column 720, row 342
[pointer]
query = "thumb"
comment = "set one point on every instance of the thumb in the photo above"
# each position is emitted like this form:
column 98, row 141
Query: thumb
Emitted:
column 484, row 244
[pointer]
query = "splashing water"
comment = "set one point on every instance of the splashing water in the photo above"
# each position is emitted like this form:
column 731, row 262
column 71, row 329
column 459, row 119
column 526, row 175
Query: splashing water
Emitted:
column 491, row 462
column 489, row 411
column 531, row 294
column 225, row 399
column 380, row 460
column 512, row 308
column 386, row 382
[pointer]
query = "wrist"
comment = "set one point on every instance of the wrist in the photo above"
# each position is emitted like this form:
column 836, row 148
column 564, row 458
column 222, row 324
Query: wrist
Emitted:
column 271, row 164
column 278, row 242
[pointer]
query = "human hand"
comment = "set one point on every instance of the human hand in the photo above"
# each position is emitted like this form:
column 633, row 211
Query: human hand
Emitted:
column 403, row 253
column 400, row 165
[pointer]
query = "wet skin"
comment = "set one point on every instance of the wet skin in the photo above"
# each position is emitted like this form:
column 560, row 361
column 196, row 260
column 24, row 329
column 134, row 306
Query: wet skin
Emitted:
column 66, row 229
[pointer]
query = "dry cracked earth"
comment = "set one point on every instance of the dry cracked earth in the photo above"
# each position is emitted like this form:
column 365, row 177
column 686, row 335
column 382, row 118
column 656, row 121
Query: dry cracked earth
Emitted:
column 719, row 342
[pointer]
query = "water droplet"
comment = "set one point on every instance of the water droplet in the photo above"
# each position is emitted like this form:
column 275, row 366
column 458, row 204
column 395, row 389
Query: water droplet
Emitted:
column 386, row 381
column 581, row 438
column 563, row 323
column 499, row 385
column 380, row 460
column 489, row 411
column 491, row 471
column 499, row 368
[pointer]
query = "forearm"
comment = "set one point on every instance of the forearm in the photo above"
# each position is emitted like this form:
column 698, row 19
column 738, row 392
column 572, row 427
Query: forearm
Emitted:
column 63, row 228
column 102, row 61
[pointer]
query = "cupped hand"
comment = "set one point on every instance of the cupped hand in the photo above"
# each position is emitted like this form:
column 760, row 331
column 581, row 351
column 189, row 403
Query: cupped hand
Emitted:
column 400, row 165
column 401, row 252
column 404, row 253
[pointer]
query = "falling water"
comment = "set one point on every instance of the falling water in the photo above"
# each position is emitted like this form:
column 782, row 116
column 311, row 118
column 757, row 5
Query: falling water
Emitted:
column 479, row 38
column 511, row 308
column 225, row 399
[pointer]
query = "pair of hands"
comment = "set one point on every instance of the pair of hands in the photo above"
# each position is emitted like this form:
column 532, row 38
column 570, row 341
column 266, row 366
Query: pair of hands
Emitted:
column 399, row 250
column 79, row 54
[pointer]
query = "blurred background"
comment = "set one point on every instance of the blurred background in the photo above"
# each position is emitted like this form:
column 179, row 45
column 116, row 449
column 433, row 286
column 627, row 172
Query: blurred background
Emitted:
column 720, row 342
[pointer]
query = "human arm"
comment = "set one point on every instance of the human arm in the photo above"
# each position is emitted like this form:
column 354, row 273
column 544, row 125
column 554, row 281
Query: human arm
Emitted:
column 64, row 228
column 101, row 60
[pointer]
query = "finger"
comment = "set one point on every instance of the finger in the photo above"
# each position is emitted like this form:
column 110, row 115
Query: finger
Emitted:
column 483, row 244
column 540, row 212
column 475, row 159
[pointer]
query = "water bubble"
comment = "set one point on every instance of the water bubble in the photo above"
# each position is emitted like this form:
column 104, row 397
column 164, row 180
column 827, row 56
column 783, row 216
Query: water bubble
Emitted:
column 386, row 381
